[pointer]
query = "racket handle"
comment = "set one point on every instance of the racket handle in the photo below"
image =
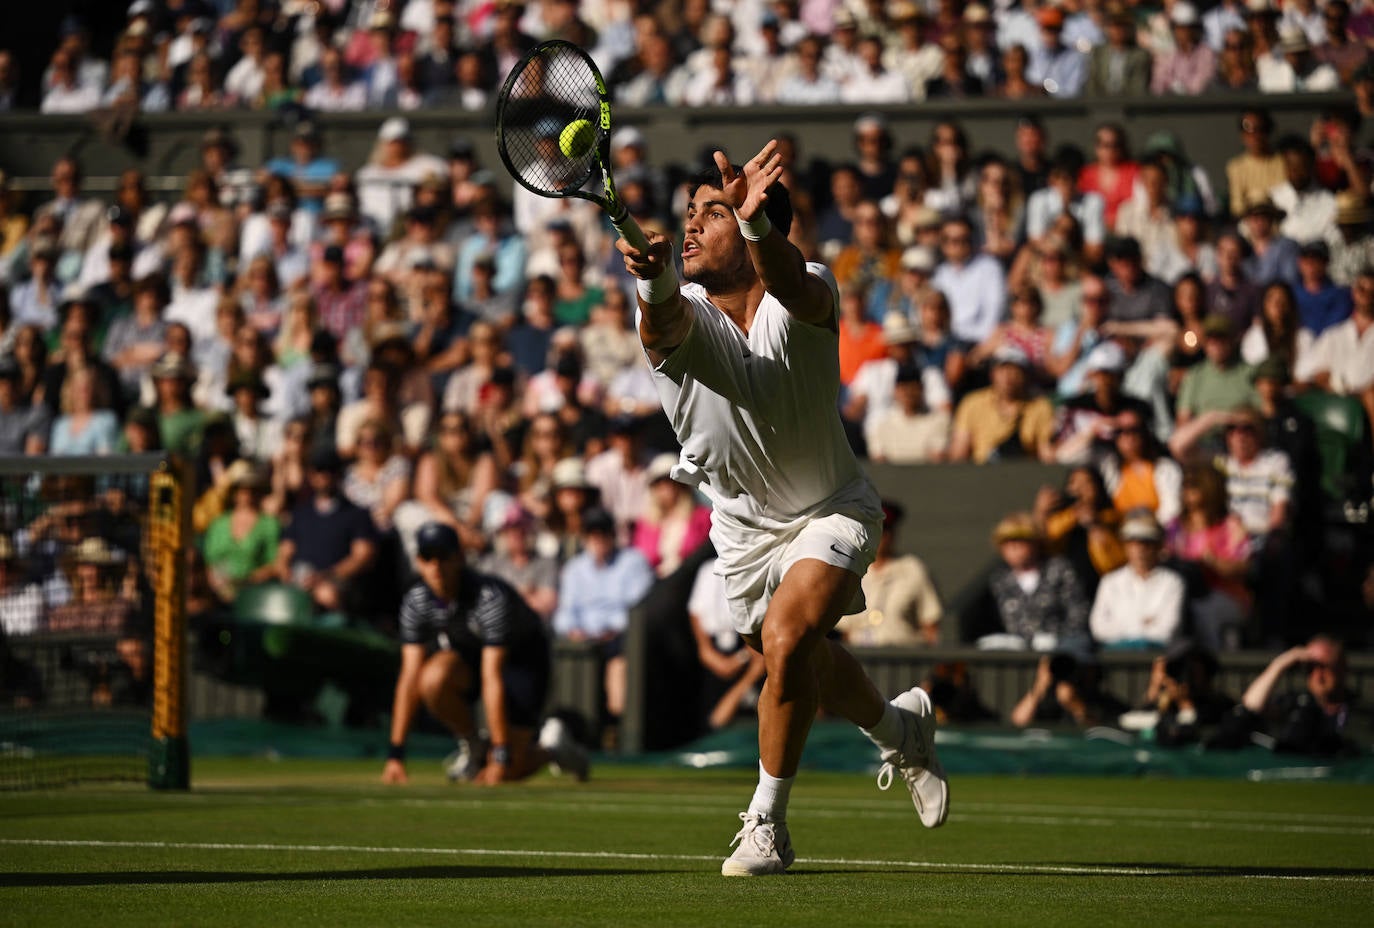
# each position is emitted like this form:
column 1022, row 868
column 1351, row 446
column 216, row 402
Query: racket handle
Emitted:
column 631, row 232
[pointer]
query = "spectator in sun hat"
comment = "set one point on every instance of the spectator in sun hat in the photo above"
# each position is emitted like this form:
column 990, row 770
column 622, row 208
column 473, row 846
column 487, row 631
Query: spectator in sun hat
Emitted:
column 1139, row 605
column 1036, row 600
column 1273, row 256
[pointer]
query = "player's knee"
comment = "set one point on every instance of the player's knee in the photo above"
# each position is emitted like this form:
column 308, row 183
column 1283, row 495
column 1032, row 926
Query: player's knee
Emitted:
column 788, row 648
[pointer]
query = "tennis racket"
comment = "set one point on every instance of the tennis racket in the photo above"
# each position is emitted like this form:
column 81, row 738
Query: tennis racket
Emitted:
column 553, row 130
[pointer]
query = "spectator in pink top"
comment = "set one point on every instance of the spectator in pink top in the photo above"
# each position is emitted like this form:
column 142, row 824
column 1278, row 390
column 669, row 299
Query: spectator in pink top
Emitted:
column 1210, row 543
column 1189, row 68
column 673, row 523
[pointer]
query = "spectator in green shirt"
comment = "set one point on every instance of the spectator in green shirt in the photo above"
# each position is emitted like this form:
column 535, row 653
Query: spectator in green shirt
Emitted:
column 1222, row 380
column 241, row 545
column 178, row 418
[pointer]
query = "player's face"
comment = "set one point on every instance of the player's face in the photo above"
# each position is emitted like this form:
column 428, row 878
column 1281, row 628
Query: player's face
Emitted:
column 713, row 251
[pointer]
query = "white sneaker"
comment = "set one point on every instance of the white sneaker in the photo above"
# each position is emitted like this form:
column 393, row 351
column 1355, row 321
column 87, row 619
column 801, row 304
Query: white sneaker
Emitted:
column 764, row 848
column 566, row 755
column 916, row 760
column 466, row 762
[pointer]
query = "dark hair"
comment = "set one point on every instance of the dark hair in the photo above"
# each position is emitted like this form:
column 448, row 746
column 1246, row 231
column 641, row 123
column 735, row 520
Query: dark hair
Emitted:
column 778, row 207
column 1265, row 122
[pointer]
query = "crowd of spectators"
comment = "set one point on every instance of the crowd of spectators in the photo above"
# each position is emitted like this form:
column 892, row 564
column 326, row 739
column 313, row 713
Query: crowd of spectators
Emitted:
column 350, row 351
column 349, row 55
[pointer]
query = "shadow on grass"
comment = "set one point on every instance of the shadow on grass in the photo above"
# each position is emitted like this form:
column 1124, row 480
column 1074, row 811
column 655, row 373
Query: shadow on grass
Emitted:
column 1157, row 869
column 189, row 877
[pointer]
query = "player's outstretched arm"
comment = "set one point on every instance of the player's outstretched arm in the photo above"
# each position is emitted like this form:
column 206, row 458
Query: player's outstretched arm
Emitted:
column 777, row 261
column 664, row 319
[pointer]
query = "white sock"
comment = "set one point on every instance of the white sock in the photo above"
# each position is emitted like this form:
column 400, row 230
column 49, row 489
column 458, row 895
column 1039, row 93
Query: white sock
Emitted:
column 770, row 796
column 887, row 732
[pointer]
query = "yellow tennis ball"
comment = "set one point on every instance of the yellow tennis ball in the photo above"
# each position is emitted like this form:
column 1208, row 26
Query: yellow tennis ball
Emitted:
column 577, row 138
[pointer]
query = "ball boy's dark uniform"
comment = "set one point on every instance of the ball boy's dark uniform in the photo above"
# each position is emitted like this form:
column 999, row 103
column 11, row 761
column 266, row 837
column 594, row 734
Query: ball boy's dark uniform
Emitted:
column 487, row 613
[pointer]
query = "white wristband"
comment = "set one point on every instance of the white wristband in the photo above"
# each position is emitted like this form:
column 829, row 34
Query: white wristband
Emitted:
column 756, row 229
column 659, row 290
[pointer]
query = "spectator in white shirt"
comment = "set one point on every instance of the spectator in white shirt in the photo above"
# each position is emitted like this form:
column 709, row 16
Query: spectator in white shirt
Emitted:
column 1297, row 71
column 872, row 82
column 974, row 283
column 1310, row 209
column 243, row 83
column 67, row 94
column 1344, row 355
column 807, row 84
column 335, row 93
column 1259, row 480
column 1141, row 603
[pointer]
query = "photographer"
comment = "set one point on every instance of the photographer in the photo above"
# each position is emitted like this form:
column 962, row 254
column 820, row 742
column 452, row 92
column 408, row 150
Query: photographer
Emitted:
column 1323, row 717
column 1067, row 687
column 1181, row 694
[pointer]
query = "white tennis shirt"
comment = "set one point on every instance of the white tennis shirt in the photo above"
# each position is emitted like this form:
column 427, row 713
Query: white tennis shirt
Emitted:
column 757, row 414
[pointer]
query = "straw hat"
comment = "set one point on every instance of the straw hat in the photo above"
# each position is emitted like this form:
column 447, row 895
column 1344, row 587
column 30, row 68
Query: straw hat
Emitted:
column 95, row 551
column 1019, row 526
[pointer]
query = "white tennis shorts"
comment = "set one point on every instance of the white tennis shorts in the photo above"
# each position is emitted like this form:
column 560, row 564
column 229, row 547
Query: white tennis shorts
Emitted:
column 752, row 562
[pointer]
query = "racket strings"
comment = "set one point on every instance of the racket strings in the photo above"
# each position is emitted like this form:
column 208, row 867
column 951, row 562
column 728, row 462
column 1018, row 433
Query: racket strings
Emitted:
column 550, row 91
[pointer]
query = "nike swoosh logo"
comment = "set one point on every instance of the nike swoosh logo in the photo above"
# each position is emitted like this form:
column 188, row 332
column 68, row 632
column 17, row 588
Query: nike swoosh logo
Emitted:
column 842, row 552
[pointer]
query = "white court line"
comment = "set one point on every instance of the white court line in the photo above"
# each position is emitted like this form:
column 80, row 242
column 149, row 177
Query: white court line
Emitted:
column 888, row 809
column 1058, row 816
column 1014, row 869
column 581, row 795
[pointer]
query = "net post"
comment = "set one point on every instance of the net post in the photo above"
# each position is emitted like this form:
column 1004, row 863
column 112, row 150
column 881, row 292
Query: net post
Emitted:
column 169, row 521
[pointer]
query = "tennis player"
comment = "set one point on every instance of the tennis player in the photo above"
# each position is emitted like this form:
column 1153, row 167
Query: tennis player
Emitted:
column 745, row 359
column 465, row 636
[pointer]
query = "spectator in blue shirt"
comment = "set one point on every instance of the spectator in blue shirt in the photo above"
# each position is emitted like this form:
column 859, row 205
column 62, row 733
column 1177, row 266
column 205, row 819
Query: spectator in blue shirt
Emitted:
column 307, row 170
column 1321, row 302
column 596, row 591
column 1059, row 68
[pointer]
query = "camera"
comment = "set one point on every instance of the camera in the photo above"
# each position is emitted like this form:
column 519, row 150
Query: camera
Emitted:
column 1063, row 667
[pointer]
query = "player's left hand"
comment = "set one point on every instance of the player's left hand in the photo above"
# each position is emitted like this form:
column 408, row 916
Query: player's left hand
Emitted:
column 746, row 193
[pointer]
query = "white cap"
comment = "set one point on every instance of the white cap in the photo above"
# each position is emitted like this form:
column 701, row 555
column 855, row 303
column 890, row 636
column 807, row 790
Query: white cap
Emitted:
column 140, row 8
column 660, row 467
column 628, row 137
column 569, row 473
column 1108, row 357
column 1183, row 14
column 919, row 258
column 1010, row 354
column 394, row 129
column 898, row 330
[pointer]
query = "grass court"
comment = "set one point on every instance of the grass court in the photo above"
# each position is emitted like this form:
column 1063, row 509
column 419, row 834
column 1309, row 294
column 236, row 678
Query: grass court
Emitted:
column 259, row 842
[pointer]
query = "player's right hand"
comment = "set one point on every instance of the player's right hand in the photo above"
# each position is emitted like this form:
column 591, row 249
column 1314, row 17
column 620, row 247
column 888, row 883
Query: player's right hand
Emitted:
column 647, row 265
column 394, row 773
